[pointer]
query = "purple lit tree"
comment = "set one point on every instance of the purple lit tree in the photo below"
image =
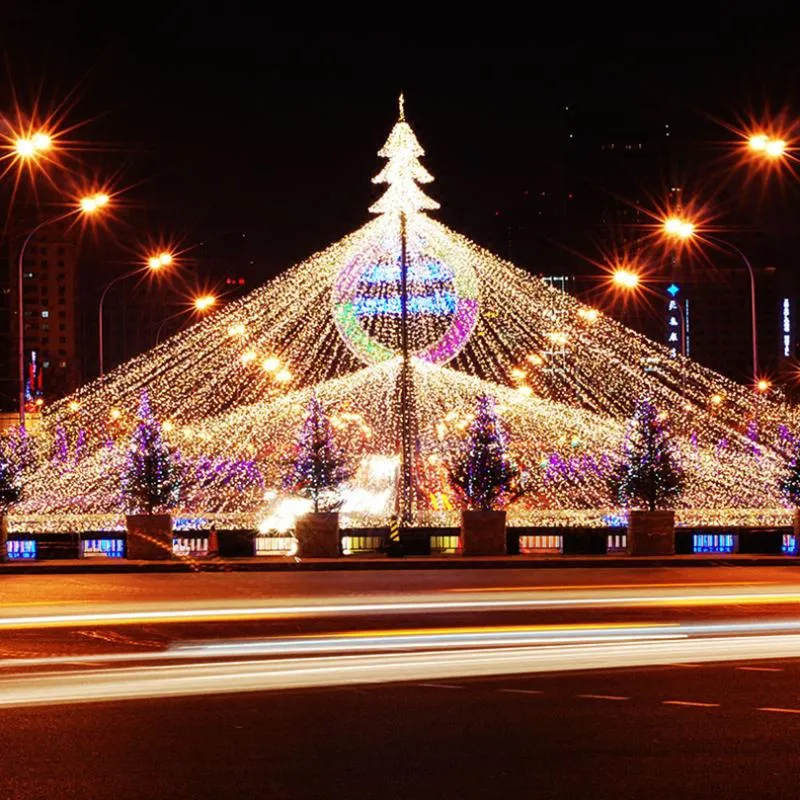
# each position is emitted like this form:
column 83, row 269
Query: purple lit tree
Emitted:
column 318, row 469
column 649, row 475
column 151, row 478
column 483, row 472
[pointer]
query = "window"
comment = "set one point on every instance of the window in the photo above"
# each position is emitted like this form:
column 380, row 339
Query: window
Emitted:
column 62, row 352
column 62, row 364
column 46, row 364
column 61, row 301
column 45, row 313
column 61, row 314
column 60, row 251
column 62, row 340
column 61, row 264
column 62, row 327
column 43, row 264
column 45, row 326
column 61, row 276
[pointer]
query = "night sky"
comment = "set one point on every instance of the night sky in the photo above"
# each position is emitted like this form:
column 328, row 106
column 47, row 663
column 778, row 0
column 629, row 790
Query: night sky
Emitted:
column 222, row 126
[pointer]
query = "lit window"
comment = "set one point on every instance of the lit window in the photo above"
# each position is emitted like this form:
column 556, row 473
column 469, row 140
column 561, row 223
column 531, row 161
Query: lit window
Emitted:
column 45, row 314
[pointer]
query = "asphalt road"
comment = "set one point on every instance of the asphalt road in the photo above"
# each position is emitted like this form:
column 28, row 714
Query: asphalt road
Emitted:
column 688, row 732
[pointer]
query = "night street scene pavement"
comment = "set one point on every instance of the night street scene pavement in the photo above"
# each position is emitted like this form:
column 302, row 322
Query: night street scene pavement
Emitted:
column 399, row 414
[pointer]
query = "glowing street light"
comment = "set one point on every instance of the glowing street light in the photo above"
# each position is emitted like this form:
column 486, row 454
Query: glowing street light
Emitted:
column 204, row 302
column 683, row 229
column 90, row 204
column 153, row 263
column 159, row 260
column 626, row 278
column 31, row 146
column 679, row 228
column 763, row 385
column 767, row 146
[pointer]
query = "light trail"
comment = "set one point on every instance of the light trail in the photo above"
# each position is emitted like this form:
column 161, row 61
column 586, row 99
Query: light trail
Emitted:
column 269, row 611
column 155, row 681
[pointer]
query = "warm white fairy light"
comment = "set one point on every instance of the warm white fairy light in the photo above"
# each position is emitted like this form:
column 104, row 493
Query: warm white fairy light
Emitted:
column 232, row 389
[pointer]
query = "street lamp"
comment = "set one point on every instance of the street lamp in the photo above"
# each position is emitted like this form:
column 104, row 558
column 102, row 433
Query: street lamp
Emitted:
column 88, row 205
column 769, row 147
column 681, row 229
column 625, row 278
column 153, row 264
column 32, row 146
column 201, row 303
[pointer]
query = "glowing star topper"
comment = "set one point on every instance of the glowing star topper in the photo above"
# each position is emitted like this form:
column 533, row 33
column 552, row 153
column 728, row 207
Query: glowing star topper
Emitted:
column 403, row 172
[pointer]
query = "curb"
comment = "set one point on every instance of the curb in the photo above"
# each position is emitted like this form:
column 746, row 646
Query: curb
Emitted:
column 392, row 564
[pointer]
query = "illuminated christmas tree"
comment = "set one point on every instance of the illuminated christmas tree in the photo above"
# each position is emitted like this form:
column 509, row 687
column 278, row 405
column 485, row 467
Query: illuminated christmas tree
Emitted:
column 151, row 477
column 789, row 483
column 483, row 473
column 319, row 468
column 650, row 475
column 403, row 172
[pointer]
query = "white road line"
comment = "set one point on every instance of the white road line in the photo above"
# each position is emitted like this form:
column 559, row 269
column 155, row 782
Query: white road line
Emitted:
column 521, row 691
column 602, row 697
column 690, row 703
column 760, row 669
column 782, row 710
column 439, row 686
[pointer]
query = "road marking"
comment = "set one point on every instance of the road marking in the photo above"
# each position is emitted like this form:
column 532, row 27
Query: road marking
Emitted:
column 760, row 669
column 521, row 691
column 439, row 686
column 690, row 703
column 690, row 666
column 603, row 697
column 579, row 586
column 782, row 710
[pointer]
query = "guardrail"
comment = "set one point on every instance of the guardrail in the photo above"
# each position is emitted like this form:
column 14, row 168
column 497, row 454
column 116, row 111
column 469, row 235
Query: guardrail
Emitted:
column 417, row 541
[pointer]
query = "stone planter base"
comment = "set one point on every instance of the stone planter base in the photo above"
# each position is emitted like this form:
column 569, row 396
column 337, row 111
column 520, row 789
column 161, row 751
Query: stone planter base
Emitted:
column 149, row 537
column 483, row 533
column 651, row 533
column 318, row 535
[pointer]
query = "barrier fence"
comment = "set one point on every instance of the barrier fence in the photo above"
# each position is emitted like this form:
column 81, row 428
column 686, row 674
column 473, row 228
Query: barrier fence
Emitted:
column 417, row 541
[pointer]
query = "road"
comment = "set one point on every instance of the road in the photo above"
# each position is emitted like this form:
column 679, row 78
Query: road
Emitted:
column 693, row 732
column 481, row 683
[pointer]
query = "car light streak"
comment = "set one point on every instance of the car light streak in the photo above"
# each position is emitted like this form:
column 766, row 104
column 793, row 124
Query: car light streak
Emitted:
column 312, row 608
column 150, row 681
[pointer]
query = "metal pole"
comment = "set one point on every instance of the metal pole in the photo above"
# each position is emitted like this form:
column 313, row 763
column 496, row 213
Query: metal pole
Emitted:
column 100, row 313
column 407, row 451
column 734, row 249
column 21, row 308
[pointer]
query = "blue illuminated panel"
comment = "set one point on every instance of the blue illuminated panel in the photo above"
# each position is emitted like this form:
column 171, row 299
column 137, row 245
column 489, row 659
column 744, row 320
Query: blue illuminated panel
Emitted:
column 21, row 548
column 789, row 545
column 713, row 543
column 110, row 548
column 436, row 304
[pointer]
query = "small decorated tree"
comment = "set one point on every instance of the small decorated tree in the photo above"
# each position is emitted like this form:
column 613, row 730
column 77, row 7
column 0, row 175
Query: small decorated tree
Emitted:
column 317, row 472
column 789, row 486
column 483, row 472
column 10, row 476
column 648, row 482
column 318, row 469
column 151, row 477
column 649, row 476
column 486, row 478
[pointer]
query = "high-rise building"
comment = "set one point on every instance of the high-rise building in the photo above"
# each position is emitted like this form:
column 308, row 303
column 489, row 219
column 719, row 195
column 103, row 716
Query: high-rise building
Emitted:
column 52, row 359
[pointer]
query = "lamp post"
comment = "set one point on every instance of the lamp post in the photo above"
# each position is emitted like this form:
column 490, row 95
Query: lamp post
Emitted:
column 90, row 204
column 201, row 304
column 683, row 230
column 154, row 263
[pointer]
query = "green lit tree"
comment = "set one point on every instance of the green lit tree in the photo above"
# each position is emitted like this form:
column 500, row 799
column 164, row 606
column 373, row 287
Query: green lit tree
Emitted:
column 483, row 473
column 151, row 477
column 318, row 469
column 649, row 475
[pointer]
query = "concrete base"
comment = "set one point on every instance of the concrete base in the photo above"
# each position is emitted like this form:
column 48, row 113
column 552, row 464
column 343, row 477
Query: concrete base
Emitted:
column 318, row 535
column 149, row 537
column 651, row 533
column 483, row 533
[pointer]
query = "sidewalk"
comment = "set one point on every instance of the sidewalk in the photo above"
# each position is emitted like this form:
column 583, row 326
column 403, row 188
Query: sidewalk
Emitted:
column 360, row 563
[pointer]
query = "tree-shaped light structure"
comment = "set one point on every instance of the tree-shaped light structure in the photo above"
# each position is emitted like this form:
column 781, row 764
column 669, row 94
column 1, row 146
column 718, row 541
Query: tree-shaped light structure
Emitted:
column 649, row 475
column 150, row 479
column 789, row 482
column 319, row 468
column 484, row 472
column 10, row 475
column 232, row 390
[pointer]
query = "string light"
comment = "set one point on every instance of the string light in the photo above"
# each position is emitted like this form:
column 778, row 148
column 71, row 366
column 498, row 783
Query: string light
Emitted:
column 236, row 386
